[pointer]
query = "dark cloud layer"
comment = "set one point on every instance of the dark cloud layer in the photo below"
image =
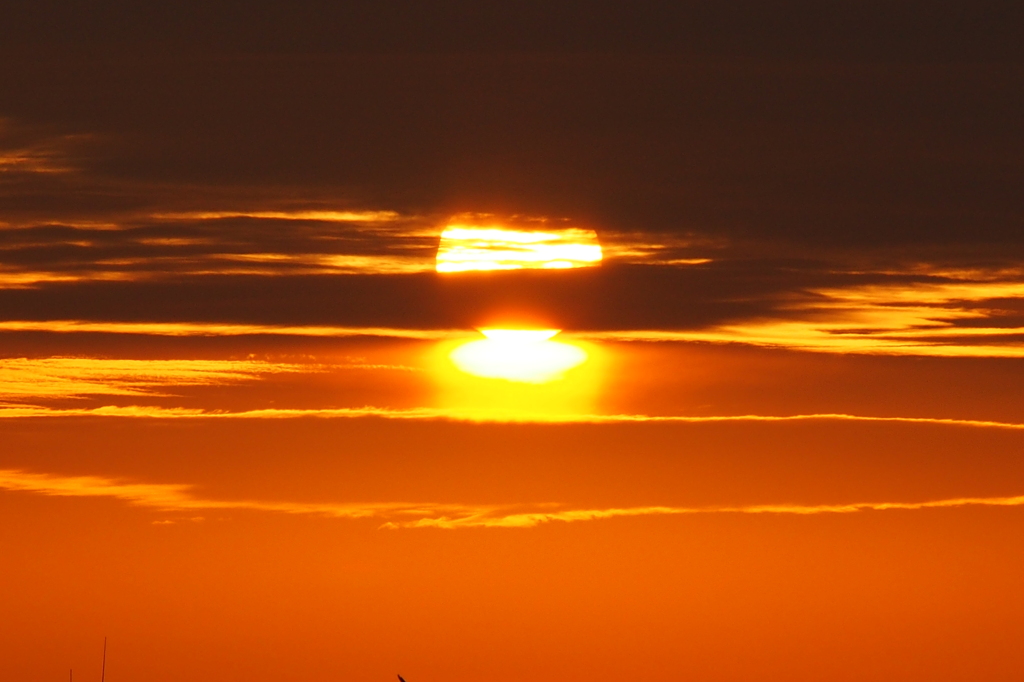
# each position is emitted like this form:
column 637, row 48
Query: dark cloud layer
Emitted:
column 798, row 145
column 805, row 153
column 609, row 298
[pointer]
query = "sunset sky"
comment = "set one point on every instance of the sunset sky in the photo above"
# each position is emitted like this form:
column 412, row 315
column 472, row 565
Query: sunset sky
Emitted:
column 522, row 342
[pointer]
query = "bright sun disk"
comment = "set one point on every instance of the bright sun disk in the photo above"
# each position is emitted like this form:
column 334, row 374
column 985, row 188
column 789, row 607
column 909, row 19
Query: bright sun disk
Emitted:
column 520, row 355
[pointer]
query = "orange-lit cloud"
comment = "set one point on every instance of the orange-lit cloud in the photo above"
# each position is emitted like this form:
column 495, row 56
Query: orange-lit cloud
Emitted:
column 892, row 319
column 939, row 319
column 142, row 269
column 323, row 264
column 466, row 415
column 48, row 378
column 317, row 215
column 219, row 329
column 30, row 161
column 467, row 247
column 154, row 246
column 532, row 519
column 170, row 497
column 837, row 337
column 23, row 152
column 639, row 248
column 12, row 278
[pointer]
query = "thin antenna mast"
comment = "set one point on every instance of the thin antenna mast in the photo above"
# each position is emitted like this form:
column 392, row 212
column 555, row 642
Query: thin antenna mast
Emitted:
column 103, row 670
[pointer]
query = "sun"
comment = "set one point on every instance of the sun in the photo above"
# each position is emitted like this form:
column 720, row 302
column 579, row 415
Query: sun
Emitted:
column 519, row 355
column 466, row 248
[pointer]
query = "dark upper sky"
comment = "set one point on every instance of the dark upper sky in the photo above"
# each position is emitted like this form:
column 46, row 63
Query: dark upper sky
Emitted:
column 892, row 30
column 789, row 141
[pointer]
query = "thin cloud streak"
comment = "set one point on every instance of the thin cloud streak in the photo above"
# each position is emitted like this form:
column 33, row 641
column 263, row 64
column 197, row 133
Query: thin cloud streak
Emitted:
column 920, row 319
column 475, row 416
column 23, row 152
column 30, row 161
column 837, row 337
column 223, row 329
column 324, row 264
column 172, row 497
column 316, row 215
column 60, row 377
column 147, row 247
column 534, row 519
column 23, row 379
column 30, row 279
column 159, row 268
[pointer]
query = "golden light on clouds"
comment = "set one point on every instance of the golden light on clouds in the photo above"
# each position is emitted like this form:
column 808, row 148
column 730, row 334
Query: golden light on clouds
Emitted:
column 215, row 329
column 947, row 319
column 317, row 215
column 466, row 248
column 471, row 415
column 172, row 497
column 520, row 355
column 51, row 378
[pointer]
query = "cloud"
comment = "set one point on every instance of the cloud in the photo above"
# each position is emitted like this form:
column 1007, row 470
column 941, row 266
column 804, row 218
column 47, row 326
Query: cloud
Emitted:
column 169, row 497
column 73, row 234
column 488, row 244
column 23, row 379
column 24, row 151
column 944, row 314
column 142, row 247
column 64, row 377
column 468, row 415
column 156, row 246
column 536, row 518
column 220, row 329
column 955, row 317
column 316, row 215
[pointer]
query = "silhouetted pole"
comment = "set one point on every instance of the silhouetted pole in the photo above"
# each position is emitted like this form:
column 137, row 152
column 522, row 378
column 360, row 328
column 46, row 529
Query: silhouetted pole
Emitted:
column 103, row 670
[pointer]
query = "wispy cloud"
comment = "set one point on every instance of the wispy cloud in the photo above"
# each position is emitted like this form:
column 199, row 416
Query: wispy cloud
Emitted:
column 144, row 247
column 957, row 318
column 532, row 519
column 664, row 249
column 978, row 316
column 317, row 215
column 222, row 329
column 173, row 497
column 269, row 241
column 30, row 160
column 500, row 246
column 470, row 415
column 25, row 151
column 26, row 379
column 837, row 337
column 60, row 377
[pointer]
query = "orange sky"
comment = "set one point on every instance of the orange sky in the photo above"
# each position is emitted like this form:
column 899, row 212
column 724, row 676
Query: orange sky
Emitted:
column 303, row 542
column 522, row 342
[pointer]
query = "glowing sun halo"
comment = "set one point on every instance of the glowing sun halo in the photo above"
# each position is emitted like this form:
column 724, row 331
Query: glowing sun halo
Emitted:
column 521, row 355
column 469, row 248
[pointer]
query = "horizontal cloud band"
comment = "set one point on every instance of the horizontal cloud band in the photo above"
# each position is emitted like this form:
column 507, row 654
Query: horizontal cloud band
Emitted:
column 178, row 498
column 428, row 413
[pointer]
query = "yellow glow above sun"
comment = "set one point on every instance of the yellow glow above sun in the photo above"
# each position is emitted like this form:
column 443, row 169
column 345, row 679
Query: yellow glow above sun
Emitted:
column 466, row 248
column 520, row 355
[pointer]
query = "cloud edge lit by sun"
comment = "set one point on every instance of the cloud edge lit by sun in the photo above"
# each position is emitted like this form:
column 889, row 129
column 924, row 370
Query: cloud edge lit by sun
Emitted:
column 465, row 247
